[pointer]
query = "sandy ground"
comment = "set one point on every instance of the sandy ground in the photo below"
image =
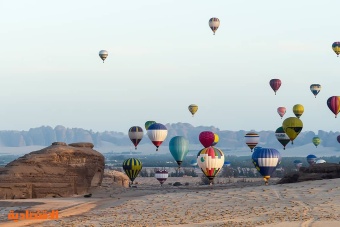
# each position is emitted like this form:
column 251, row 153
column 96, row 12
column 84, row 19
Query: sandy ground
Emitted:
column 312, row 203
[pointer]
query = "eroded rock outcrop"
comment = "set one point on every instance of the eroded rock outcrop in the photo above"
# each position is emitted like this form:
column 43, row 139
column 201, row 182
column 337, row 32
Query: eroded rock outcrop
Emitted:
column 59, row 170
column 117, row 178
column 313, row 172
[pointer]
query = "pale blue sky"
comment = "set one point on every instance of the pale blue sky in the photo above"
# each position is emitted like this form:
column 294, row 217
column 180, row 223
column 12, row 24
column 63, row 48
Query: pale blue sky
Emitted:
column 163, row 57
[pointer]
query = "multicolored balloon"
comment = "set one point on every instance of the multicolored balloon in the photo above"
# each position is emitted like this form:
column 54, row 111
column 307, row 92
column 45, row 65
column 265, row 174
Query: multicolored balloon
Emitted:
column 275, row 84
column 311, row 159
column 210, row 160
column 136, row 135
column 292, row 126
column 298, row 164
column 161, row 176
column 298, row 110
column 216, row 139
column 265, row 161
column 157, row 134
column 148, row 123
column 206, row 138
column 252, row 139
column 214, row 23
column 315, row 89
column 336, row 48
column 179, row 148
column 132, row 167
column 281, row 111
column 193, row 109
column 103, row 54
column 333, row 104
column 282, row 137
column 316, row 141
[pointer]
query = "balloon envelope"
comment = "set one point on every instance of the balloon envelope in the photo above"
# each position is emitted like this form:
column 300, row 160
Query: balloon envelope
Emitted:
column 157, row 134
column 282, row 137
column 161, row 176
column 148, row 123
column 206, row 138
column 132, row 167
column 298, row 110
column 103, row 54
column 210, row 160
column 315, row 89
column 336, row 48
column 333, row 104
column 193, row 162
column 179, row 148
column 136, row 135
column 252, row 139
column 227, row 163
column 266, row 160
column 214, row 23
column 281, row 111
column 292, row 127
column 320, row 161
column 297, row 163
column 216, row 139
column 338, row 138
column 316, row 141
column 275, row 84
column 311, row 159
column 193, row 109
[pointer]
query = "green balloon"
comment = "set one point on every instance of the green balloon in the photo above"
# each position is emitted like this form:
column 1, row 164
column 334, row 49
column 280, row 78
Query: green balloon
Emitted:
column 179, row 148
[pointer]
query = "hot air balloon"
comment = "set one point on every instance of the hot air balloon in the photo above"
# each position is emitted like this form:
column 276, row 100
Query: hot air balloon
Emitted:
column 333, row 104
column 210, row 160
column 148, row 123
column 336, row 48
column 282, row 137
column 216, row 139
column 161, row 176
column 136, row 135
column 338, row 138
column 320, row 161
column 315, row 89
column 132, row 167
column 193, row 109
column 206, row 138
column 311, row 159
column 157, row 134
column 227, row 164
column 179, row 148
column 298, row 164
column 103, row 54
column 316, row 141
column 275, row 84
column 298, row 110
column 252, row 139
column 281, row 111
column 265, row 161
column 214, row 23
column 193, row 162
column 292, row 127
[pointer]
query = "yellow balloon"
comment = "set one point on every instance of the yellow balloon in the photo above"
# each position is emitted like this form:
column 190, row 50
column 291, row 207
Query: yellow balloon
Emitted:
column 193, row 109
column 216, row 139
column 298, row 110
column 292, row 127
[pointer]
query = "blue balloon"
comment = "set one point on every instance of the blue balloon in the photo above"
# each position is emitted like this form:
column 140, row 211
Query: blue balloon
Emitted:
column 311, row 159
column 157, row 126
column 265, row 161
column 179, row 148
column 227, row 163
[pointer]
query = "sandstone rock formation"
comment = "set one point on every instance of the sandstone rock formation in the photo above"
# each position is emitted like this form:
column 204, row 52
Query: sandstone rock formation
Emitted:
column 117, row 178
column 58, row 170
column 313, row 172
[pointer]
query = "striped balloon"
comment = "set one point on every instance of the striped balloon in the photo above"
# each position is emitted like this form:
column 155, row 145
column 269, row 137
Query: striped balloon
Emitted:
column 206, row 138
column 214, row 23
column 132, row 167
column 252, row 139
column 265, row 161
column 315, row 89
column 136, row 135
column 157, row 134
column 282, row 137
column 210, row 160
column 161, row 176
column 333, row 104
column 336, row 48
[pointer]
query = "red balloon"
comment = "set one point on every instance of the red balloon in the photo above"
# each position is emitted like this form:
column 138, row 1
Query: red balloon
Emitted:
column 275, row 84
column 338, row 138
column 206, row 138
column 333, row 104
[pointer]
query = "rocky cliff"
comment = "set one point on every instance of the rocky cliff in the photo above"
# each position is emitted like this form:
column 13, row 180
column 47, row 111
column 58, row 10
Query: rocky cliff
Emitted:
column 56, row 171
column 313, row 172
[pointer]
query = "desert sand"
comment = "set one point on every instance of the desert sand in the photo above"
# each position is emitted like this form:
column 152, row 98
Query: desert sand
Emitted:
column 232, row 203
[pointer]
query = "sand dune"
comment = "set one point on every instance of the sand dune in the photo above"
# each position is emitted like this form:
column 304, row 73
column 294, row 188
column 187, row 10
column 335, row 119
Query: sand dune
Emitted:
column 310, row 203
